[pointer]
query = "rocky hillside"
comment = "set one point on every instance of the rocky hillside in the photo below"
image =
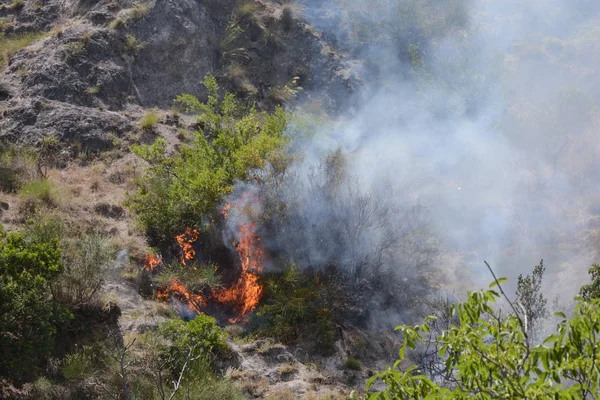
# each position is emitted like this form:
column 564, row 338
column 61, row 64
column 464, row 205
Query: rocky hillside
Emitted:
column 91, row 67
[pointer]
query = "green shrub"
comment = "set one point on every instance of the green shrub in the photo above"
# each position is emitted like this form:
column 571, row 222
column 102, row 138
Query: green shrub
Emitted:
column 92, row 90
column 247, row 9
column 296, row 310
column 138, row 11
column 78, row 365
column 491, row 356
column 40, row 190
column 27, row 314
column 352, row 363
column 183, row 189
column 592, row 290
column 149, row 121
column 45, row 227
column 201, row 335
column 88, row 258
column 116, row 23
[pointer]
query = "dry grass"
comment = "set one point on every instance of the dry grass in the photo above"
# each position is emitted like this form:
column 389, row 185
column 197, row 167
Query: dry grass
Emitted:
column 286, row 93
column 11, row 44
column 149, row 121
column 138, row 11
column 287, row 369
column 247, row 9
column 282, row 394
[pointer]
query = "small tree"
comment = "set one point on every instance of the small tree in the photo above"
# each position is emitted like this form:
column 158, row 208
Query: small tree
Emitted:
column 531, row 300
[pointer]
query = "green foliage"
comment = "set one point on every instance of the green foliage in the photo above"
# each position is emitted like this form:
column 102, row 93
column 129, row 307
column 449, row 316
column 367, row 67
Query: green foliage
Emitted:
column 79, row 364
column 489, row 357
column 286, row 93
column 149, row 121
column 352, row 363
column 11, row 44
column 592, row 291
column 531, row 298
column 87, row 259
column 138, row 11
column 27, row 314
column 183, row 189
column 132, row 45
column 198, row 339
column 297, row 308
column 41, row 190
column 229, row 46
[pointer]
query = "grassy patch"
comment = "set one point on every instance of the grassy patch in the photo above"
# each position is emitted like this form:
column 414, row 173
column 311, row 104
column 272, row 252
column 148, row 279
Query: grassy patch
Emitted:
column 40, row 189
column 149, row 121
column 133, row 45
column 138, row 11
column 93, row 90
column 11, row 44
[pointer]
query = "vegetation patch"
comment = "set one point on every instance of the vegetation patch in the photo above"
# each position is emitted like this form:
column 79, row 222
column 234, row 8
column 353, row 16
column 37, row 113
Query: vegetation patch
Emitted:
column 10, row 44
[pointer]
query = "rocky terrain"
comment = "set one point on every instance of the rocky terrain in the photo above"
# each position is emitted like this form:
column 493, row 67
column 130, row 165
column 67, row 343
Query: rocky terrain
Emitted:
column 96, row 65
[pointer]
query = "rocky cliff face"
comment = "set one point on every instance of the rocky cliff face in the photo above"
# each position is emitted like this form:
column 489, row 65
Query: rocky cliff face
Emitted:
column 97, row 64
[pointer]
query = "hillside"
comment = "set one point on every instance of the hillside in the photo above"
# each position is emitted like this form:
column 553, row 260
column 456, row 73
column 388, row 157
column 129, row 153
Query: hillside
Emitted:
column 205, row 199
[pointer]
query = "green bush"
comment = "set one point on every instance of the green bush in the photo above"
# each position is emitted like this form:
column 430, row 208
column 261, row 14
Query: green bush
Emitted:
column 87, row 259
column 352, row 363
column 27, row 312
column 78, row 365
column 297, row 310
column 201, row 336
column 149, row 121
column 487, row 356
column 592, row 290
column 183, row 189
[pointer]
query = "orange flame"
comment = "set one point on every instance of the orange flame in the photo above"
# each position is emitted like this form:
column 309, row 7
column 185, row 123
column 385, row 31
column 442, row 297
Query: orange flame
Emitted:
column 180, row 292
column 246, row 292
column 186, row 242
column 151, row 262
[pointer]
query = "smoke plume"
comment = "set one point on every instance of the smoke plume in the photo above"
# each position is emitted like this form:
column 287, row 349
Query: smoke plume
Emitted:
column 474, row 138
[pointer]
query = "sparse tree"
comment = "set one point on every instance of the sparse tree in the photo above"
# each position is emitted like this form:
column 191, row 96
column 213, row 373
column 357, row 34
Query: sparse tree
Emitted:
column 531, row 299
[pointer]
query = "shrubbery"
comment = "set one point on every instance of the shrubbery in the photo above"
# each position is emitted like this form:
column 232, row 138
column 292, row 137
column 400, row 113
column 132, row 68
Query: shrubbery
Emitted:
column 183, row 189
column 307, row 308
column 488, row 356
column 27, row 313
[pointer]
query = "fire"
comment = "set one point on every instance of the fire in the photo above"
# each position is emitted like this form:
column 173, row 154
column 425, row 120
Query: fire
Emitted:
column 151, row 262
column 186, row 242
column 180, row 292
column 246, row 292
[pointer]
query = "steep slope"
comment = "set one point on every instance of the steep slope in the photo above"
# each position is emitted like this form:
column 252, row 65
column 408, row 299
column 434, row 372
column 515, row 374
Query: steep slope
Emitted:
column 95, row 61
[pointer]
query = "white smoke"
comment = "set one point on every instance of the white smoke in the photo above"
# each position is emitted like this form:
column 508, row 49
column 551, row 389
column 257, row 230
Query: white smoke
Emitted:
column 490, row 123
